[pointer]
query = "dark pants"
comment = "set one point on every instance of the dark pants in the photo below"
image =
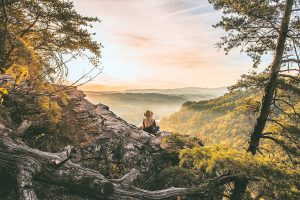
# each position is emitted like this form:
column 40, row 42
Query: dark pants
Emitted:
column 152, row 129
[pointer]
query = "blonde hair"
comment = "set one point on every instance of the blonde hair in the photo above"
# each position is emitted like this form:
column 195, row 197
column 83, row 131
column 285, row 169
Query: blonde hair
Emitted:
column 148, row 113
column 148, row 120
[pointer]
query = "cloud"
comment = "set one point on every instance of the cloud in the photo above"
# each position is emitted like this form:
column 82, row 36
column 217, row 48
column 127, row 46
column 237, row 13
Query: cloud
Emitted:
column 175, row 8
column 160, row 43
column 134, row 39
column 178, row 12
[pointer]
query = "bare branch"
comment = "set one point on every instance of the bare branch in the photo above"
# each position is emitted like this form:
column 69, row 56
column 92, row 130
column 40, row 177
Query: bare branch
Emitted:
column 22, row 128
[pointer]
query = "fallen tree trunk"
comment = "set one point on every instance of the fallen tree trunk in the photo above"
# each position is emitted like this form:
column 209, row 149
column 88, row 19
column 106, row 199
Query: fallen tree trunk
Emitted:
column 27, row 164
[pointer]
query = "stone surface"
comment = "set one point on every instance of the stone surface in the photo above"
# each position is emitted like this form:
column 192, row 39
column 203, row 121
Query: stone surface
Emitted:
column 101, row 140
column 89, row 135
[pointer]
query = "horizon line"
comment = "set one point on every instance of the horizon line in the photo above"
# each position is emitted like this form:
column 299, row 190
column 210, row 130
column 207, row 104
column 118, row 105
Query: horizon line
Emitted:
column 140, row 89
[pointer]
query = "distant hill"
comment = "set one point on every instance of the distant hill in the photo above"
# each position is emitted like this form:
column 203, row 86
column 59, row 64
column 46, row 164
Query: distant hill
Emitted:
column 138, row 98
column 131, row 104
column 226, row 119
column 190, row 93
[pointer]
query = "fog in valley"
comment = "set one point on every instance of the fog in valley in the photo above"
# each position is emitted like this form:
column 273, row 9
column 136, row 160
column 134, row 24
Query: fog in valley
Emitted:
column 131, row 104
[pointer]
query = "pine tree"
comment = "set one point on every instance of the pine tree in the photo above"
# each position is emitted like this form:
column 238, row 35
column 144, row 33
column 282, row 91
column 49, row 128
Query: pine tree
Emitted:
column 263, row 27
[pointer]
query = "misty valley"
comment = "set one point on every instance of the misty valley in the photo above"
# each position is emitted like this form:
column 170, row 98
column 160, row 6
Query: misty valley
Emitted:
column 131, row 104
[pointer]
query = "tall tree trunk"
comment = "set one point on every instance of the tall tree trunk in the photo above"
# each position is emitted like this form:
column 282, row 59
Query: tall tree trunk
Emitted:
column 273, row 79
column 2, row 49
column 5, row 45
column 3, row 35
column 2, row 32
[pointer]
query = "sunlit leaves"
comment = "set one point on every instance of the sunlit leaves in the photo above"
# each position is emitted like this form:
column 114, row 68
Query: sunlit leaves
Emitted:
column 45, row 35
column 3, row 91
column 227, row 119
column 278, row 178
column 18, row 73
column 51, row 108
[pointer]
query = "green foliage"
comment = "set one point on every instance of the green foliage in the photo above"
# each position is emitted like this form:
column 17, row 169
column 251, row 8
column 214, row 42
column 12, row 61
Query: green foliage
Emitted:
column 224, row 124
column 230, row 118
column 51, row 108
column 3, row 91
column 252, row 80
column 277, row 179
column 226, row 119
column 64, row 99
column 18, row 74
column 42, row 36
column 177, row 142
column 283, row 125
column 267, row 27
column 254, row 26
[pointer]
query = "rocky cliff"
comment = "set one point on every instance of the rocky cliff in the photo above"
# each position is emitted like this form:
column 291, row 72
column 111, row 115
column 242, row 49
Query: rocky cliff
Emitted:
column 62, row 120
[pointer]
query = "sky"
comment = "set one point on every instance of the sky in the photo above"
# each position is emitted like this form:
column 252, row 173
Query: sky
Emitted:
column 158, row 44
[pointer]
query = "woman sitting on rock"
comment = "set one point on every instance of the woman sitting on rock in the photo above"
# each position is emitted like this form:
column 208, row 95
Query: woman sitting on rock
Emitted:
column 149, row 124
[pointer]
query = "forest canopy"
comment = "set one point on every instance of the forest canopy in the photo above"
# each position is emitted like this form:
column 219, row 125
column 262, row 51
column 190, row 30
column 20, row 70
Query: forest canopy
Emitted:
column 261, row 113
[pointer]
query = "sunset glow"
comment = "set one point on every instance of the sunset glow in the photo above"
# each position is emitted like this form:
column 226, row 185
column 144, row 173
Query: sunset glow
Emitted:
column 159, row 44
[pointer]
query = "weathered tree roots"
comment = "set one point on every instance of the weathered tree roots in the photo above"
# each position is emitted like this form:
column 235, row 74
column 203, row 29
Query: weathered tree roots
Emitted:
column 27, row 164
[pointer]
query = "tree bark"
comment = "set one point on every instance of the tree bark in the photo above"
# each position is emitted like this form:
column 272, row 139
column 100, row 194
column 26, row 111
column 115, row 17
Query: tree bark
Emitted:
column 31, row 163
column 8, row 2
column 23, row 127
column 3, row 33
column 27, row 164
column 273, row 79
column 5, row 49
